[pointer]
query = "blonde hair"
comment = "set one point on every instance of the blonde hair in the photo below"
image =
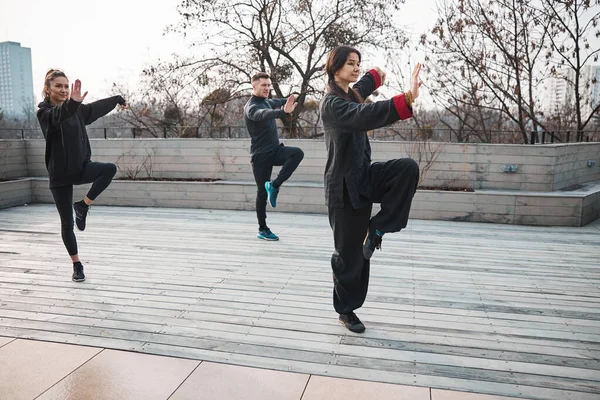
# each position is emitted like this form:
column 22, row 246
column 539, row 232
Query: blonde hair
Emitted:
column 50, row 75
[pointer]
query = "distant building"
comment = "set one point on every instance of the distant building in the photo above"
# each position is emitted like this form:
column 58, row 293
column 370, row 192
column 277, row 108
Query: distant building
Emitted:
column 561, row 91
column 16, row 80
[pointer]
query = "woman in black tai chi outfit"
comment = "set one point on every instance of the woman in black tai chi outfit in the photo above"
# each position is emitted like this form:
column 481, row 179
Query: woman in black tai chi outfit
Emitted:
column 353, row 184
column 63, row 118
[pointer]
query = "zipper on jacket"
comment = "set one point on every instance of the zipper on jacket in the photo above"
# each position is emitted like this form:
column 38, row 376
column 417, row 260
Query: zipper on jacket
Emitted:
column 62, row 137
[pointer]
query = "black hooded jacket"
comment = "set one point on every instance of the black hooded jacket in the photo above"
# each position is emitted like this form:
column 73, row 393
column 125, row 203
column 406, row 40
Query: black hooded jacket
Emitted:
column 67, row 143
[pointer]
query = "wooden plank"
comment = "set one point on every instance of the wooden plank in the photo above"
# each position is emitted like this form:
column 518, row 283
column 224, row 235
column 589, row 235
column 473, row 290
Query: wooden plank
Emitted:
column 400, row 361
column 408, row 319
column 551, row 323
column 455, row 311
column 220, row 318
column 224, row 327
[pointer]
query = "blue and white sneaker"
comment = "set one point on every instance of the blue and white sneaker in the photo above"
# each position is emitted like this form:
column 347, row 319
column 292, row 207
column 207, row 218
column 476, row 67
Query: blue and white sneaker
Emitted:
column 266, row 234
column 272, row 193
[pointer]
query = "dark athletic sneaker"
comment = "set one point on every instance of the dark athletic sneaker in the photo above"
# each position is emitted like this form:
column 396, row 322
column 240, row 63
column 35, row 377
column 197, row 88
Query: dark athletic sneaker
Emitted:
column 372, row 242
column 78, row 275
column 81, row 211
column 351, row 321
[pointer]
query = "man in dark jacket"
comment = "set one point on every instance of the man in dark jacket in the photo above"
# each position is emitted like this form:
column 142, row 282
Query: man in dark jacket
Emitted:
column 63, row 117
column 260, row 113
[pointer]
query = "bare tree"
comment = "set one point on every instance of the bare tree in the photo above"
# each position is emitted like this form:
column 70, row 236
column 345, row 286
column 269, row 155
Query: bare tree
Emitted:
column 289, row 39
column 425, row 153
column 215, row 103
column 164, row 104
column 489, row 56
column 28, row 112
column 572, row 24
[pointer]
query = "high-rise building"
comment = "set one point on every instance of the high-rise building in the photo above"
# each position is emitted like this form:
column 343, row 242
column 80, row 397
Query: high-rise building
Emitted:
column 594, row 90
column 558, row 94
column 561, row 90
column 16, row 80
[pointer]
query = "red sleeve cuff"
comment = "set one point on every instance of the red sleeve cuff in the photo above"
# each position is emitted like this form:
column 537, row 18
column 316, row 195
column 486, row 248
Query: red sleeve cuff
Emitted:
column 377, row 78
column 401, row 108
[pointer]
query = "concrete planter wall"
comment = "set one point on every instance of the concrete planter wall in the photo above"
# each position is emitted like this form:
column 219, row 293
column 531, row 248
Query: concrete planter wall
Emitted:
column 521, row 208
column 13, row 159
column 16, row 193
column 477, row 166
column 528, row 196
column 571, row 165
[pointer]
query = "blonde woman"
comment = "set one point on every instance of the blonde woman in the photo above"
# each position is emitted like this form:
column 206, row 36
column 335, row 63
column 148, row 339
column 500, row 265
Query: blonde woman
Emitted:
column 63, row 117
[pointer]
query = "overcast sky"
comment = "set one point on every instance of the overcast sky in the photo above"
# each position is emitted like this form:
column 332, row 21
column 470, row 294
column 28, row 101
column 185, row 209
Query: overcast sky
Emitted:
column 101, row 42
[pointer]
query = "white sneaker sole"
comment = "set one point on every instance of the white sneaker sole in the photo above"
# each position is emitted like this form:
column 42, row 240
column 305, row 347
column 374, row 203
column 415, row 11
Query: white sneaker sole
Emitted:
column 267, row 239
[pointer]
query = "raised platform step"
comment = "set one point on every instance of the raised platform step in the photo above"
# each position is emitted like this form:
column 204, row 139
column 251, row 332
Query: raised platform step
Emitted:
column 576, row 207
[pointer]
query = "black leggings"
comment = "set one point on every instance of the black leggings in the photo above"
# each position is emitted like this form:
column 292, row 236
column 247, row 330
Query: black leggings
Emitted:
column 393, row 184
column 101, row 175
column 262, row 166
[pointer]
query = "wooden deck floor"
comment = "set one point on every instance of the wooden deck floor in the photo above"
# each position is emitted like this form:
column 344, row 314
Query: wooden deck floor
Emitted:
column 498, row 309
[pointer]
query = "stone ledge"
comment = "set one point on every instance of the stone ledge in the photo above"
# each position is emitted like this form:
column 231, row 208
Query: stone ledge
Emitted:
column 576, row 207
column 15, row 192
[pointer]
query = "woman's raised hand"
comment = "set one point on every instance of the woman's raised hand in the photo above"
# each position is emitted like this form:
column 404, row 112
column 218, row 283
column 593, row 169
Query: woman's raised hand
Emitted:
column 381, row 74
column 415, row 83
column 76, row 91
